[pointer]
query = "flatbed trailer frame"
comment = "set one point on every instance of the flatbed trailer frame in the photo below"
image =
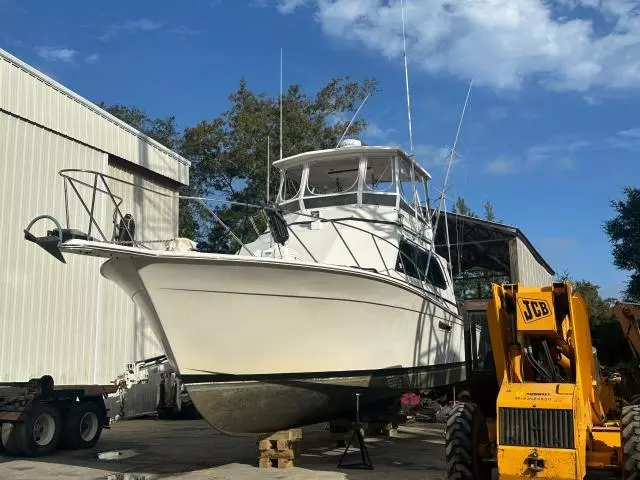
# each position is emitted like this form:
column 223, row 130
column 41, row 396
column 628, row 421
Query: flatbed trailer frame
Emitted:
column 37, row 416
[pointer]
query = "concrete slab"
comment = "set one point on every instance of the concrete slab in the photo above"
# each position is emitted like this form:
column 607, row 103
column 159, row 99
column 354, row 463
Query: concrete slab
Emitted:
column 191, row 450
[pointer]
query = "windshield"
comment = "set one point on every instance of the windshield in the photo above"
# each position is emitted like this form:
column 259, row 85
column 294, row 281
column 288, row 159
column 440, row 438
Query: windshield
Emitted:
column 336, row 176
column 406, row 181
column 379, row 174
column 290, row 184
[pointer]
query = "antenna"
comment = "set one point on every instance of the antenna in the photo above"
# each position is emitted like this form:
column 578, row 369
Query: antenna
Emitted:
column 352, row 119
column 444, row 188
column 406, row 80
column 280, row 103
column 455, row 141
column 268, row 167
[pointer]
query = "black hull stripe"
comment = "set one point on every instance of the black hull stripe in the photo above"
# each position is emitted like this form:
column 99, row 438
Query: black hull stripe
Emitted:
column 212, row 377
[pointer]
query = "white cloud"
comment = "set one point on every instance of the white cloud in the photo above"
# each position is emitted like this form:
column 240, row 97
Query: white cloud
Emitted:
column 432, row 156
column 53, row 54
column 130, row 26
column 288, row 6
column 375, row 133
column 558, row 155
column 93, row 58
column 499, row 43
column 184, row 31
column 628, row 139
column 502, row 165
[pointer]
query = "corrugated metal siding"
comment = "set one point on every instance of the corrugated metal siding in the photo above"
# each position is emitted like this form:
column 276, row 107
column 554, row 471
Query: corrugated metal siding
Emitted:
column 66, row 320
column 525, row 269
column 48, row 310
column 28, row 94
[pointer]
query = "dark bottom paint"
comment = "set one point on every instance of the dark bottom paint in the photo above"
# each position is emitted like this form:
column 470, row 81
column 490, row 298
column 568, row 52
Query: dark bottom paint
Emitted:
column 268, row 403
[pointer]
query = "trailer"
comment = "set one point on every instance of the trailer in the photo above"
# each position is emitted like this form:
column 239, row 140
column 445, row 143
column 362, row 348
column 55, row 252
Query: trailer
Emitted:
column 37, row 416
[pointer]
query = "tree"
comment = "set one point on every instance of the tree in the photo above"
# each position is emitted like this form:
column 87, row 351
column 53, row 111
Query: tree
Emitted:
column 489, row 215
column 624, row 234
column 599, row 308
column 229, row 153
column 460, row 206
column 165, row 132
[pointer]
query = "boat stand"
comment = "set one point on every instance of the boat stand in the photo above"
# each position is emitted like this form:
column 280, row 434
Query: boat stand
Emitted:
column 357, row 429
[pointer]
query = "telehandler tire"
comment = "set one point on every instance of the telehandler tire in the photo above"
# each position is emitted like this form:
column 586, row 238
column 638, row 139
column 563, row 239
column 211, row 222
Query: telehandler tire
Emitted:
column 630, row 426
column 466, row 429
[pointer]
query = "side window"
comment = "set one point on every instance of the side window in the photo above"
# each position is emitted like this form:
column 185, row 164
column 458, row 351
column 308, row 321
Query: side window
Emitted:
column 408, row 261
column 413, row 261
column 435, row 275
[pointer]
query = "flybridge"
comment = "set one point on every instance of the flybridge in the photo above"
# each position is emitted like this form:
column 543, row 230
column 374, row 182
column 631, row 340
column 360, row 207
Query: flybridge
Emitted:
column 353, row 174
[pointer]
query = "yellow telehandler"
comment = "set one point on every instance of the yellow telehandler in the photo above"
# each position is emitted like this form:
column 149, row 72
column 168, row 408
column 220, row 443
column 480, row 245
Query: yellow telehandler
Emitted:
column 556, row 415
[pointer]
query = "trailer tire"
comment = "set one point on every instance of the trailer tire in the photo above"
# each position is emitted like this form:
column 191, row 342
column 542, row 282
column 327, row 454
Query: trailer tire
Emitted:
column 630, row 426
column 83, row 426
column 466, row 428
column 9, row 439
column 635, row 400
column 39, row 432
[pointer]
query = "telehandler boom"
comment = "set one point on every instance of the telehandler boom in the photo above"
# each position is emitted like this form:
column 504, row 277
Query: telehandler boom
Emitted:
column 627, row 315
column 557, row 416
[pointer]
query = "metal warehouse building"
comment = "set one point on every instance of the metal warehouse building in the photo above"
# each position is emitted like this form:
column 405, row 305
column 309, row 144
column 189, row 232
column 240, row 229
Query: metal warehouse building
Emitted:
column 57, row 319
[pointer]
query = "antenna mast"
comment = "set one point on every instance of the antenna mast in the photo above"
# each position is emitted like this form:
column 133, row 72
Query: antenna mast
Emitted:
column 352, row 119
column 280, row 103
column 443, row 203
column 406, row 80
column 268, row 167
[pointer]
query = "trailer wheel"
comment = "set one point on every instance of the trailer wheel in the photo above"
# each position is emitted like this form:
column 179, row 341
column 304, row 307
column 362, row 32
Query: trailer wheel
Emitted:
column 630, row 426
column 83, row 426
column 466, row 429
column 9, row 439
column 40, row 430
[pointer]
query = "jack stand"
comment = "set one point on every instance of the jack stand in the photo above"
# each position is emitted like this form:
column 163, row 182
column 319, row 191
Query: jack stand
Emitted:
column 366, row 463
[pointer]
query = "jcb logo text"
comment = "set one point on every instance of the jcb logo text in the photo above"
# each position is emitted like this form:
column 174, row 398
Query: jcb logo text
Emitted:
column 534, row 309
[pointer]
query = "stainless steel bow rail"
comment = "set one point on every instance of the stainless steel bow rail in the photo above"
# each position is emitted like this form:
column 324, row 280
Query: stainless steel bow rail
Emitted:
column 123, row 224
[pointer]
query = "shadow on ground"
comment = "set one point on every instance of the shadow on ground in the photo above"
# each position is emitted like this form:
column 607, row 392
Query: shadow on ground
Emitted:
column 192, row 450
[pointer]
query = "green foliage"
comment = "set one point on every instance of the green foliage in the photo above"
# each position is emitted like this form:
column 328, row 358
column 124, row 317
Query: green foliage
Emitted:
column 489, row 215
column 599, row 308
column 624, row 233
column 606, row 333
column 229, row 153
column 460, row 206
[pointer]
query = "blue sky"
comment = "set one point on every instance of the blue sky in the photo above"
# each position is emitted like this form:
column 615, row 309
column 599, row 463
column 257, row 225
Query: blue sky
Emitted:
column 552, row 131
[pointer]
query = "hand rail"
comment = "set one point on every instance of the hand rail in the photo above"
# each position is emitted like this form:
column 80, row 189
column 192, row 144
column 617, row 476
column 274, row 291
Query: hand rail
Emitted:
column 118, row 218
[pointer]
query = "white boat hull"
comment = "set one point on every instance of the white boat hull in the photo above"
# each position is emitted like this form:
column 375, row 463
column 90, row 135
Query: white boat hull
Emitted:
column 294, row 338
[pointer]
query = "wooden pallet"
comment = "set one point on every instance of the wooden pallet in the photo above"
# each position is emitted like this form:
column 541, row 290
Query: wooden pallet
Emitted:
column 280, row 449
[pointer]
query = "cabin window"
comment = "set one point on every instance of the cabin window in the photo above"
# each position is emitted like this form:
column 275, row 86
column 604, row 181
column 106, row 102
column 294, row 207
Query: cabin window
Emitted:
column 291, row 183
column 421, row 189
column 335, row 176
column 413, row 260
column 406, row 181
column 379, row 174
